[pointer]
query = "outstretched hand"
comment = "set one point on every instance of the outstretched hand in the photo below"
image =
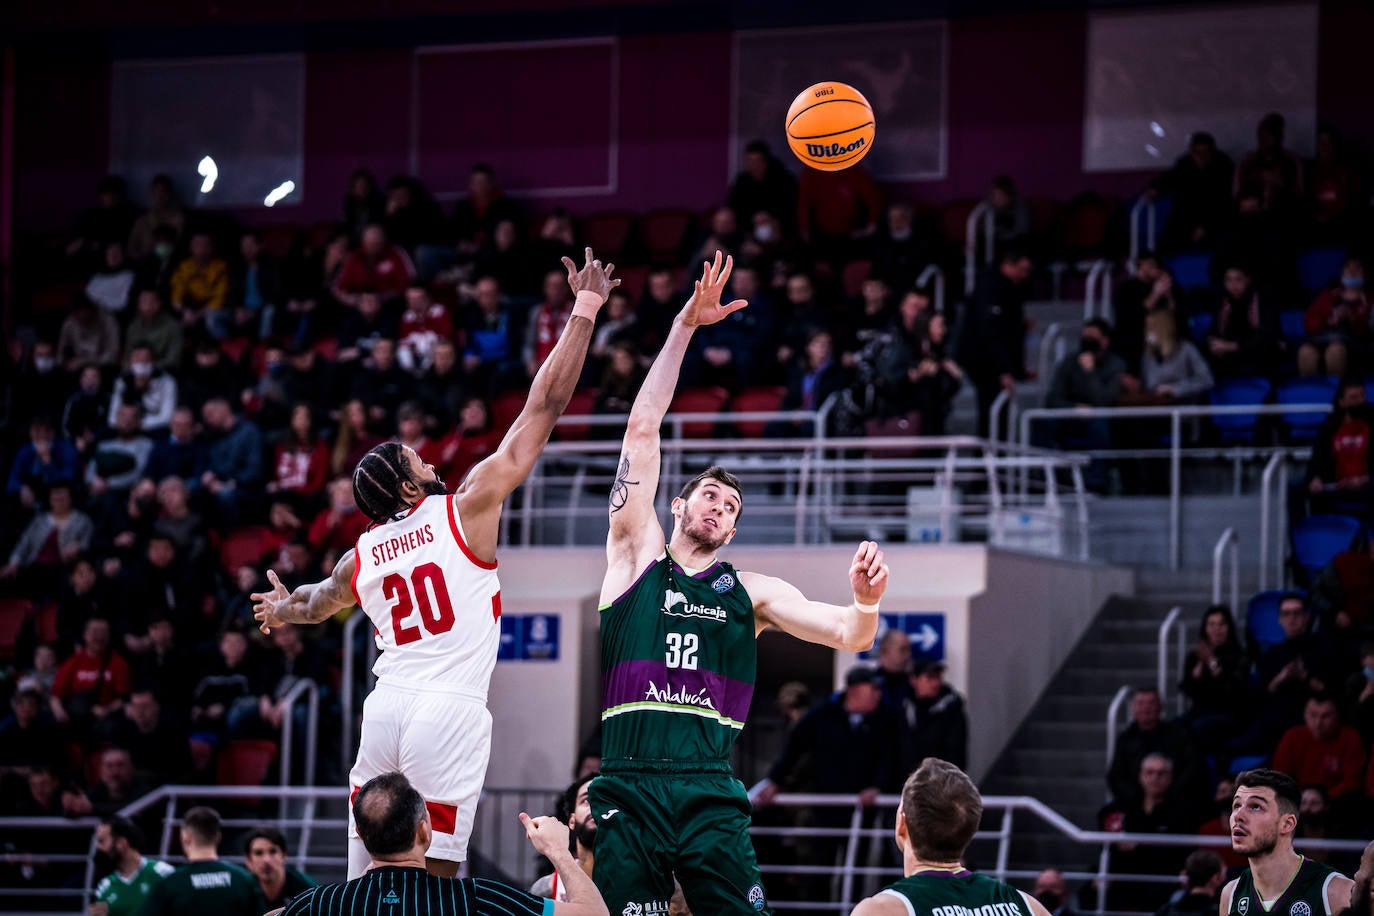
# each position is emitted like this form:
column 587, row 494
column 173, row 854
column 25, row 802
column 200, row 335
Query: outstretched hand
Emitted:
column 592, row 278
column 547, row 835
column 704, row 307
column 265, row 604
column 868, row 573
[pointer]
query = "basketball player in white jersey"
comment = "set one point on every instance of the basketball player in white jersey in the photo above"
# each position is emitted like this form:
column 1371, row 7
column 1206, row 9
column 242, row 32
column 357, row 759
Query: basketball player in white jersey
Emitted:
column 425, row 574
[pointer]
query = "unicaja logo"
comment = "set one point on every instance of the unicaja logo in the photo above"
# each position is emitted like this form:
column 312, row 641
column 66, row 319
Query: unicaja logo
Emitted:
column 825, row 150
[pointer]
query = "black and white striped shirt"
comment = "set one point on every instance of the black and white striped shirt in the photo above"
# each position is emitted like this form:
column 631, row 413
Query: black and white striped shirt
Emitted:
column 397, row 891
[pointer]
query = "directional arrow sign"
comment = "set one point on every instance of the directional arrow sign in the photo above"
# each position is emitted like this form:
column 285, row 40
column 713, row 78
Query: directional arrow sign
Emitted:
column 926, row 629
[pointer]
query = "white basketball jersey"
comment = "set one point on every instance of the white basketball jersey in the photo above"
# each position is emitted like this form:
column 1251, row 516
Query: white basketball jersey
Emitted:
column 436, row 606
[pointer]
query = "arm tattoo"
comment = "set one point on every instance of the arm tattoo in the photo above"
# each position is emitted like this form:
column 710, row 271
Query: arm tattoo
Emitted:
column 620, row 490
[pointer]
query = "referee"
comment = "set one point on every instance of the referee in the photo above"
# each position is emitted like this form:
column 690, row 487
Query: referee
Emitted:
column 394, row 827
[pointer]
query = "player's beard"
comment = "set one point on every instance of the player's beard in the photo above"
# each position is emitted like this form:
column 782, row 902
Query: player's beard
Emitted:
column 703, row 535
column 435, row 487
column 1261, row 845
column 586, row 833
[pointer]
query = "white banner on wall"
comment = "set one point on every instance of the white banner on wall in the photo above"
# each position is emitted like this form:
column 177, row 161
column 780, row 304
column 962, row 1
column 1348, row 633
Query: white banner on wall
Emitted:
column 1156, row 77
column 900, row 67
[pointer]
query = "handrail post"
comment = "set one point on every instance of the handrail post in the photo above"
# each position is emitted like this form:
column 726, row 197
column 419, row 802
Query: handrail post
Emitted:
column 934, row 272
column 1162, row 675
column 1004, row 844
column 971, row 225
column 1227, row 539
column 347, row 701
column 1123, row 693
column 851, row 851
column 1235, row 576
column 1266, row 483
column 288, row 728
column 1279, row 572
column 1175, row 485
column 999, row 404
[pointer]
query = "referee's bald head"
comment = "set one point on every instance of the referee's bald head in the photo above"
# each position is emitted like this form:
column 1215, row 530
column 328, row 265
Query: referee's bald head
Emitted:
column 388, row 812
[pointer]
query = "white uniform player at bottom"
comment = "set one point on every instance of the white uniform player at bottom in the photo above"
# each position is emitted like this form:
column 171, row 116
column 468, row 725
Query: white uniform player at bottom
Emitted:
column 426, row 576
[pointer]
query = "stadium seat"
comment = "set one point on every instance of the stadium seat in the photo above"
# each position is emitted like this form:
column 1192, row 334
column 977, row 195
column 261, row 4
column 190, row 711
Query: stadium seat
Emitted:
column 582, row 404
column 756, row 399
column 506, row 407
column 1305, row 390
column 608, row 233
column 243, row 547
column 1247, row 762
column 326, row 348
column 1233, row 392
column 632, row 280
column 954, row 219
column 1319, row 267
column 234, row 348
column 1199, row 326
column 1085, row 225
column 664, row 232
column 1191, row 270
column 245, row 762
column 45, row 622
column 1262, row 628
column 320, row 234
column 277, row 240
column 13, row 613
column 855, row 273
column 1318, row 538
column 202, row 754
column 1291, row 323
column 699, row 400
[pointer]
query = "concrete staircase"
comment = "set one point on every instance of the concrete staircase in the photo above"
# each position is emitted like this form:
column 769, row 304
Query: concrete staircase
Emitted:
column 1058, row 755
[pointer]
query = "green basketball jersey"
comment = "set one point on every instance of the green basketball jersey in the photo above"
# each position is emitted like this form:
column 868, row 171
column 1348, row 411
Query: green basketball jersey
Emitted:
column 207, row 889
column 125, row 897
column 678, row 662
column 941, row 892
column 1304, row 896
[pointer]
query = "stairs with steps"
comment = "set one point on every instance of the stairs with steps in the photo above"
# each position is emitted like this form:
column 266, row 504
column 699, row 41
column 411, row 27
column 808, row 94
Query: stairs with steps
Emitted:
column 1058, row 754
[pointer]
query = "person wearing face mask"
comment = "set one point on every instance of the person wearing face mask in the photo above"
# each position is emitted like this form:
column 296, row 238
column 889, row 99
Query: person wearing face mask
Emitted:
column 153, row 390
column 1337, row 325
column 1244, row 336
column 1340, row 470
column 157, row 264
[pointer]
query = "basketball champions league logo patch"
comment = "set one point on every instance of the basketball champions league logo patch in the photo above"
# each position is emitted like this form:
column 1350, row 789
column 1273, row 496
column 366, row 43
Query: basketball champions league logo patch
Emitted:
column 1301, row 908
column 723, row 584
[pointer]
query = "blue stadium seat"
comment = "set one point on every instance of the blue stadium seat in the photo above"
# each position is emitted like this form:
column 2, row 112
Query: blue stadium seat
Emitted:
column 1247, row 762
column 1318, row 538
column 1262, row 628
column 1291, row 323
column 1237, row 391
column 1191, row 270
column 1199, row 325
column 1320, row 266
column 1302, row 427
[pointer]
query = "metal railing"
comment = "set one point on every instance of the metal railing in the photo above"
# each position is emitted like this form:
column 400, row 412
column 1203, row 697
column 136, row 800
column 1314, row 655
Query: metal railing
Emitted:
column 1097, row 296
column 1114, row 718
column 1228, row 543
column 980, row 216
column 1054, row 346
column 349, row 703
column 1175, row 450
column 1143, row 208
column 1176, row 627
column 934, row 277
column 307, row 688
column 1277, row 466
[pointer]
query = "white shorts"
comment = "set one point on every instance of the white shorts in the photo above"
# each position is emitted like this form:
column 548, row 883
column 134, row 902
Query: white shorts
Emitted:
column 441, row 741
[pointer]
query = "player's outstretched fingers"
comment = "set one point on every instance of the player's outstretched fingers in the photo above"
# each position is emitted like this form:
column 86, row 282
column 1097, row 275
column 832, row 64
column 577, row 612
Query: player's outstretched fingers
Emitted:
column 875, row 564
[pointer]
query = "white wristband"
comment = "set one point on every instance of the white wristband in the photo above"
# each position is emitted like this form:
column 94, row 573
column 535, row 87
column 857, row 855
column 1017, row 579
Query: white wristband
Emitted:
column 586, row 304
column 866, row 608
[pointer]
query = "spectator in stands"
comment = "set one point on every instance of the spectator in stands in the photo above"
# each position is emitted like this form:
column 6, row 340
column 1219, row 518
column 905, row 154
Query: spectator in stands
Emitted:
column 1149, row 288
column 309, row 379
column 231, row 475
column 144, row 384
column 545, row 321
column 574, row 810
column 1334, row 189
column 936, row 378
column 119, row 462
column 1011, row 218
column 723, row 234
column 1200, row 182
column 211, row 375
column 376, row 267
column 84, row 595
column 364, row 204
column 46, row 386
column 28, row 738
column 179, row 455
column 992, row 346
column 412, row 216
column 557, row 240
column 1150, row 733
column 85, row 416
column 264, row 853
column 475, row 216
column 1154, row 806
column 41, row 674
column 1323, row 752
column 92, row 684
column 1270, row 172
column 232, row 682
column 658, row 306
column 166, row 670
column 870, row 314
column 200, row 287
column 507, row 258
column 441, row 388
column 1203, row 876
column 106, row 223
column 901, row 253
column 153, row 328
column 812, row 378
column 254, row 288
column 490, row 353
column 1244, row 339
column 300, row 460
column 1339, row 471
column 1314, row 821
column 293, row 661
column 937, row 725
column 122, row 892
column 163, row 583
column 1090, row 378
column 111, row 286
column 1053, row 893
column 894, row 667
column 807, row 312
column 51, row 539
column 1337, row 326
column 838, row 212
column 381, row 384
column 763, row 186
column 336, row 529
column 1172, row 371
column 89, row 335
column 354, row 440
column 1287, row 673
column 1215, row 680
column 618, row 323
column 423, row 324
column 1359, row 694
column 164, row 210
column 41, row 462
column 363, row 326
column 476, row 439
column 155, row 269
column 619, row 385
column 774, row 250
column 157, row 749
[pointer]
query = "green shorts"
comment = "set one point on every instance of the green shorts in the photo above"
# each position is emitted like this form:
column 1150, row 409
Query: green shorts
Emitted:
column 689, row 820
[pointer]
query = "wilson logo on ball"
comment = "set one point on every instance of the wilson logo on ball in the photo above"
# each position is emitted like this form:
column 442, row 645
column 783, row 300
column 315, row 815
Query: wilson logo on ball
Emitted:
column 833, row 149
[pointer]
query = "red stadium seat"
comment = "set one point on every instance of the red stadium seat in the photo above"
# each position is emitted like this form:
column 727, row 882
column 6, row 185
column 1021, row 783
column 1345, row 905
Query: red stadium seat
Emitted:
column 1085, row 225
column 699, row 400
column 13, row 613
column 277, row 240
column 45, row 622
column 756, row 399
column 954, row 219
column 320, row 234
column 243, row 547
column 855, row 273
column 246, row 762
column 632, row 280
column 327, row 349
column 664, row 232
column 608, row 233
column 202, row 754
column 581, row 405
column 235, row 347
column 506, row 407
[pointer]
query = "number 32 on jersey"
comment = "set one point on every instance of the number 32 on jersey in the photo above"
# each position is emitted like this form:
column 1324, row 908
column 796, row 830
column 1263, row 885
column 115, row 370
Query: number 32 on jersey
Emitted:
column 682, row 650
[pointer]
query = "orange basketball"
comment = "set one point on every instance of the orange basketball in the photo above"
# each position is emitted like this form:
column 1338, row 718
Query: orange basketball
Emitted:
column 830, row 126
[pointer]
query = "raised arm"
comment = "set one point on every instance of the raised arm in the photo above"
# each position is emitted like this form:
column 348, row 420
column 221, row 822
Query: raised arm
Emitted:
column 314, row 603
column 489, row 483
column 636, row 537
column 851, row 627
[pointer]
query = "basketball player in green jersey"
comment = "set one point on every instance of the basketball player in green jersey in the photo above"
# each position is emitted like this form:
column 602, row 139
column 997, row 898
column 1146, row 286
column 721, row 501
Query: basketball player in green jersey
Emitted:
column 939, row 815
column 678, row 631
column 1279, row 882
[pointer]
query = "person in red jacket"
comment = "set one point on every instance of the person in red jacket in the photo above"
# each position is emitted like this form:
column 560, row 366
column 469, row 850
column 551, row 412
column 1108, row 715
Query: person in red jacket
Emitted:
column 1323, row 752
column 92, row 684
column 336, row 529
column 300, row 466
column 838, row 212
column 1337, row 325
column 424, row 323
column 377, row 266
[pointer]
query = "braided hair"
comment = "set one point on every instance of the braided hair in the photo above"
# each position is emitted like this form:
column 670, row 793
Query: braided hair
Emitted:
column 377, row 482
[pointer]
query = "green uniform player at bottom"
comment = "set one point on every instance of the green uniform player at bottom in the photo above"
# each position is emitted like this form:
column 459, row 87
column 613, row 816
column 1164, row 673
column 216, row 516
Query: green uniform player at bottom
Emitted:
column 939, row 814
column 205, row 886
column 678, row 663
column 1278, row 881
column 125, row 889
